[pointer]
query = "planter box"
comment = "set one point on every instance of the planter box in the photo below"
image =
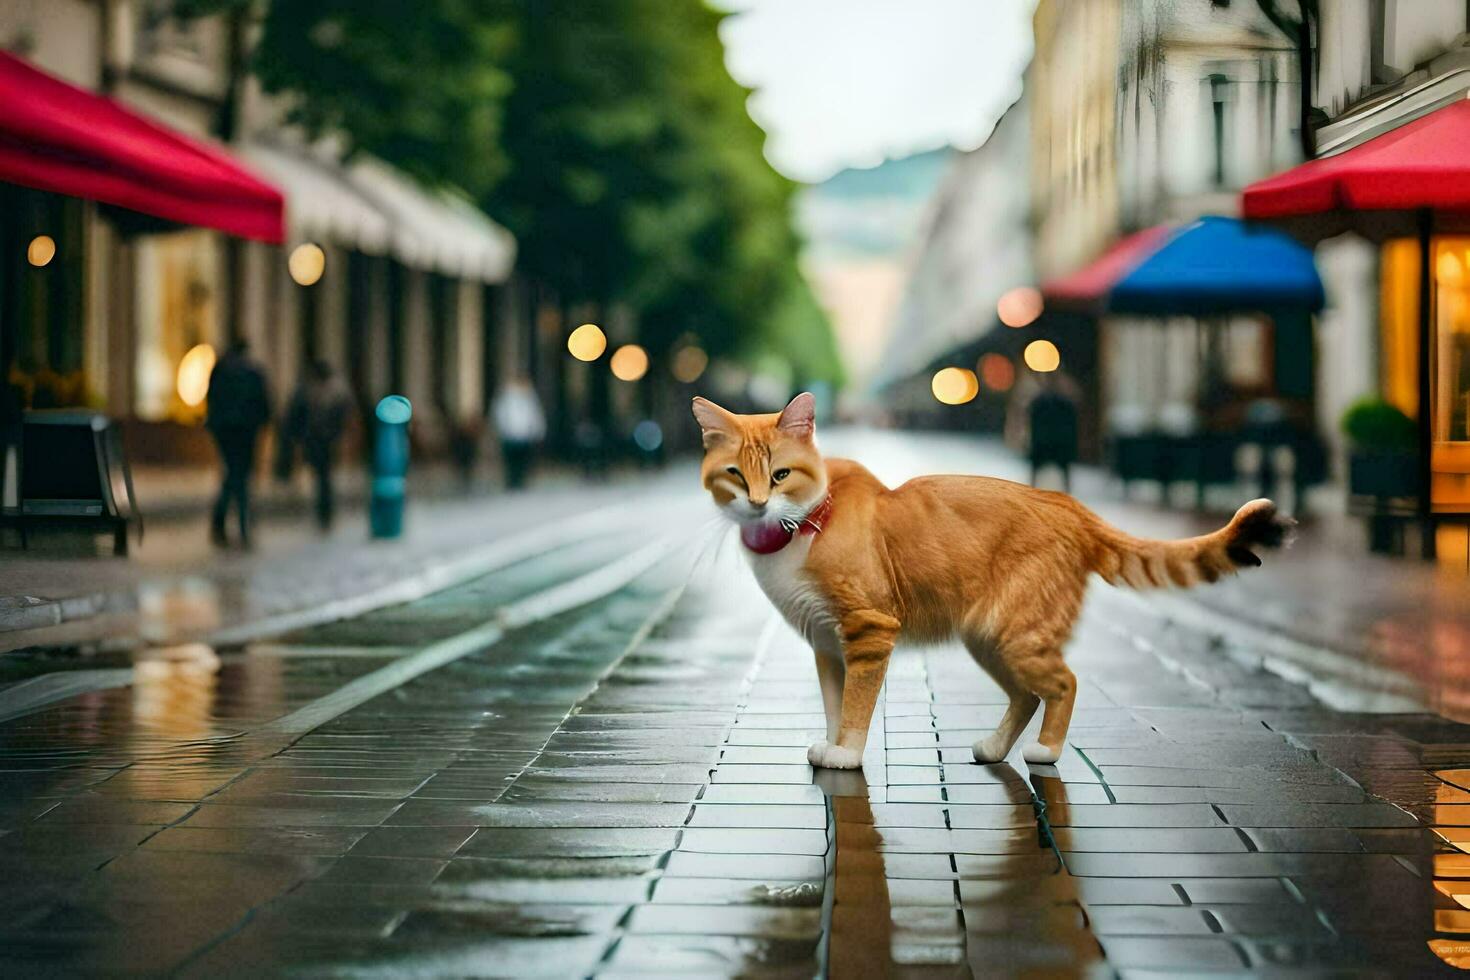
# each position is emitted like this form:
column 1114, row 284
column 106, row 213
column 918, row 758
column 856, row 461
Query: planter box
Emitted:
column 1383, row 474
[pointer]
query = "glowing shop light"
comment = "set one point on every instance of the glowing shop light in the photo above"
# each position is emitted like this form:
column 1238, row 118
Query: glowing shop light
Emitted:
column 41, row 250
column 1019, row 306
column 306, row 264
column 954, row 386
column 629, row 362
column 1042, row 356
column 587, row 342
column 193, row 375
column 997, row 371
column 689, row 363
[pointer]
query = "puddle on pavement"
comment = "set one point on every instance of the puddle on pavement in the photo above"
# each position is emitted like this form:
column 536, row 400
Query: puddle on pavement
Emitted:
column 1451, row 869
column 68, row 718
column 1016, row 907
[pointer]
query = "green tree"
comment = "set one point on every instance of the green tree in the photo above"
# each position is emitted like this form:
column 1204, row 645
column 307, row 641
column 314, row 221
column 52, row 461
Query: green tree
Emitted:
column 422, row 86
column 607, row 135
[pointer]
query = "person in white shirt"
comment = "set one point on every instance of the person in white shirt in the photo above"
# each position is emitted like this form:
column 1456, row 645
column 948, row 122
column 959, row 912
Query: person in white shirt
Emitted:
column 521, row 426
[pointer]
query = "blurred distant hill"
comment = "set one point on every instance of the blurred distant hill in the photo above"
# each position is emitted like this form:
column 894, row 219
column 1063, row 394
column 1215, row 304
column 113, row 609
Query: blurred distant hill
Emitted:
column 870, row 212
column 860, row 227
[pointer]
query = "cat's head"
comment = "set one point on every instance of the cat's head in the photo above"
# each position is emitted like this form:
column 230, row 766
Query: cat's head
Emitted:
column 762, row 468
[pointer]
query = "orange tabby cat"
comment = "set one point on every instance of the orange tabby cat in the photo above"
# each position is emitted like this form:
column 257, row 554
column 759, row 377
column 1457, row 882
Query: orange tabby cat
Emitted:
column 855, row 566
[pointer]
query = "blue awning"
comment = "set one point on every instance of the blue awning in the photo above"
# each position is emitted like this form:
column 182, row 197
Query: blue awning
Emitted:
column 1217, row 266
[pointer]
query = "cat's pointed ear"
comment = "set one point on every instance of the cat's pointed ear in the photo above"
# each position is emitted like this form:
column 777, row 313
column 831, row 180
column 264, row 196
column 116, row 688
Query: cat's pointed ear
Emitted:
column 799, row 418
column 714, row 421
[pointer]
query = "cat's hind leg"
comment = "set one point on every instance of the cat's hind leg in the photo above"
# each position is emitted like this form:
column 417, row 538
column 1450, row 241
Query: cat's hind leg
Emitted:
column 1048, row 677
column 996, row 746
column 1031, row 625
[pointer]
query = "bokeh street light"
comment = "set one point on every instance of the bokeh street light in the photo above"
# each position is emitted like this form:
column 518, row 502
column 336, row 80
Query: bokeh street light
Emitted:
column 1042, row 356
column 997, row 371
column 689, row 363
column 1020, row 306
column 955, row 385
column 41, row 250
column 629, row 362
column 193, row 375
column 587, row 342
column 306, row 264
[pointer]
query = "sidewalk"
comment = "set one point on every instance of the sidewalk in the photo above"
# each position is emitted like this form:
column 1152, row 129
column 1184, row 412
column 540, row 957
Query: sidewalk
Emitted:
column 1206, row 818
column 176, row 584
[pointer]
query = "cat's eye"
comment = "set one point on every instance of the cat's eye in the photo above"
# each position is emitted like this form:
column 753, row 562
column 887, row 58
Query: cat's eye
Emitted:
column 780, row 474
column 735, row 472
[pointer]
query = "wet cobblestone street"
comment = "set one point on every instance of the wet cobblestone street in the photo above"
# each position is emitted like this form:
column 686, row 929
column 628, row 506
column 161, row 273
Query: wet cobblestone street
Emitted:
column 592, row 762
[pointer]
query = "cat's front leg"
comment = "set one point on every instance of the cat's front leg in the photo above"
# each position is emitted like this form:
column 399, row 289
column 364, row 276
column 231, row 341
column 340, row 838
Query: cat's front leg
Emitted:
column 868, row 637
column 831, row 673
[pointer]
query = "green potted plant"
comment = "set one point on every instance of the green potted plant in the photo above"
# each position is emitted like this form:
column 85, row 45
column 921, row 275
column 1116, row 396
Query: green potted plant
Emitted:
column 1383, row 463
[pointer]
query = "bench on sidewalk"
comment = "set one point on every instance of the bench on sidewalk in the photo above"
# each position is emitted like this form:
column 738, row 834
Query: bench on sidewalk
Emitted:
column 73, row 472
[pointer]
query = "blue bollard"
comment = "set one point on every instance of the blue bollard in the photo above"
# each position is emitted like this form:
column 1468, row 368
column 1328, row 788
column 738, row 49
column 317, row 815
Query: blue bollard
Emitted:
column 390, row 466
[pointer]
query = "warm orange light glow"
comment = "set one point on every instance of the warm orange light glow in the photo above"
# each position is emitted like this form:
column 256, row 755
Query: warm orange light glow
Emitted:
column 689, row 363
column 1042, row 356
column 954, row 386
column 629, row 362
column 1019, row 306
column 41, row 250
column 1450, row 271
column 193, row 375
column 587, row 342
column 306, row 264
column 997, row 371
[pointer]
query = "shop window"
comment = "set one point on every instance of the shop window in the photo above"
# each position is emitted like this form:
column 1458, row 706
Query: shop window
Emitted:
column 1398, row 305
column 177, row 310
column 1219, row 99
column 42, row 319
column 1450, row 373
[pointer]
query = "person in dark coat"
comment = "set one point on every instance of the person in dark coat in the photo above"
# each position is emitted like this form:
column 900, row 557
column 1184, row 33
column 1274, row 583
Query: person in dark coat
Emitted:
column 239, row 406
column 1053, row 418
column 317, row 419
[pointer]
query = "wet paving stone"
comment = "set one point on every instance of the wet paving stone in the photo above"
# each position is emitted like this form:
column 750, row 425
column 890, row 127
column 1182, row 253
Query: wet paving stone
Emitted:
column 719, row 955
column 526, row 812
column 311, row 841
column 567, row 841
column 755, row 816
column 787, row 923
column 755, row 867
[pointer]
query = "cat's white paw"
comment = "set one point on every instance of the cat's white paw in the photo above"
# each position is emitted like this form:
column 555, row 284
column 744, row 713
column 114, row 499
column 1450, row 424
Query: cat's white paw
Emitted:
column 1040, row 755
column 824, row 755
column 990, row 749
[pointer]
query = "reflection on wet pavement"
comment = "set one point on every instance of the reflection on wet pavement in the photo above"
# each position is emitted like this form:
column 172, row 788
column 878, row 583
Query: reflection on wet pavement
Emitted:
column 622, row 790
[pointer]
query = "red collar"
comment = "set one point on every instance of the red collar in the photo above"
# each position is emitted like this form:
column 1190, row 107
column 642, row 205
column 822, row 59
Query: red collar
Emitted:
column 817, row 519
column 767, row 539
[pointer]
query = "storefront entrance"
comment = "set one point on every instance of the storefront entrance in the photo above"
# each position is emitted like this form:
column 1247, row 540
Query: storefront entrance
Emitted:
column 1449, row 371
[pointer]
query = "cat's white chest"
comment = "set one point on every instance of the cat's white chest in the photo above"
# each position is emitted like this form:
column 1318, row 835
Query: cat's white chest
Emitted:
column 782, row 577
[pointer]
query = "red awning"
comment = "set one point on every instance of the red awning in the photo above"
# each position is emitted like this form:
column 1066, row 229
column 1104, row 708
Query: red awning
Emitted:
column 1089, row 286
column 1421, row 165
column 60, row 138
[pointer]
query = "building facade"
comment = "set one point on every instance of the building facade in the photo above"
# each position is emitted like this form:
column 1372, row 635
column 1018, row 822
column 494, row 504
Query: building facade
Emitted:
column 1385, row 65
column 409, row 292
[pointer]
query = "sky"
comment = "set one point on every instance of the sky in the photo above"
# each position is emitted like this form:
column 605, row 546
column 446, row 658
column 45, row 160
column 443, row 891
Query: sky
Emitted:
column 848, row 83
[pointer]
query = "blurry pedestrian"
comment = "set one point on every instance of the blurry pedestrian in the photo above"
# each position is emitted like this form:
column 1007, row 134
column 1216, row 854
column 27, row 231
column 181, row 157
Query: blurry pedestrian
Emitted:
column 1053, row 423
column 521, row 427
column 316, row 419
column 591, row 444
column 464, row 449
column 239, row 406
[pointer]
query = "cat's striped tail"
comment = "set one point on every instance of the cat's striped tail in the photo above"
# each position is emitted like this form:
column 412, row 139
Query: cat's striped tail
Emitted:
column 1122, row 559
